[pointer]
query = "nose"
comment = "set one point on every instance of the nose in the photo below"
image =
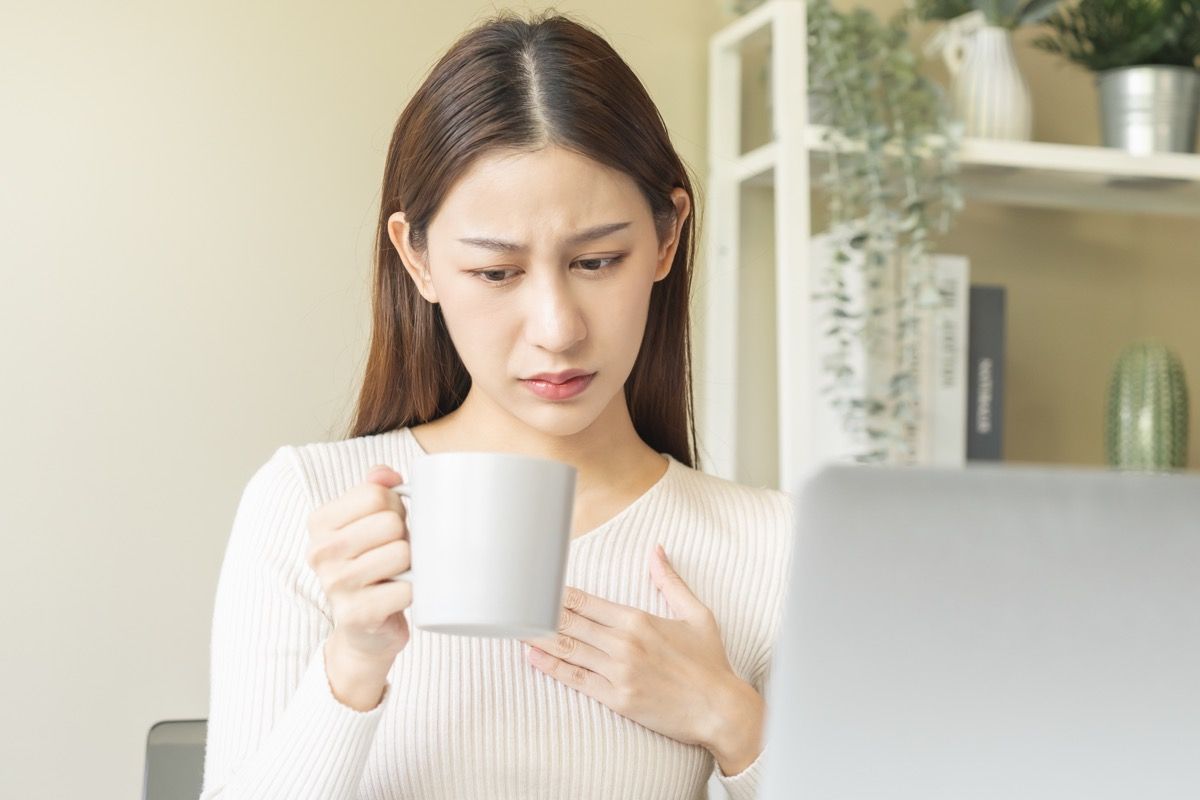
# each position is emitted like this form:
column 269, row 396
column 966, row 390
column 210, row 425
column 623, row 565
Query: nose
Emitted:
column 554, row 317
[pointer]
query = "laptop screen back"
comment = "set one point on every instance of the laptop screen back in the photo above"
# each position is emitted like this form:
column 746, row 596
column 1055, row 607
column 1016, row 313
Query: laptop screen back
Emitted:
column 993, row 632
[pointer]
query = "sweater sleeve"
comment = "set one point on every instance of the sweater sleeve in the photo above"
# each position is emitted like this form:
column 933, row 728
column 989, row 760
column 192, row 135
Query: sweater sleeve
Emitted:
column 744, row 785
column 275, row 729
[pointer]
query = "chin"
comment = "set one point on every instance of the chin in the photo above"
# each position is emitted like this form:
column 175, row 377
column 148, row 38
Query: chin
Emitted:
column 560, row 421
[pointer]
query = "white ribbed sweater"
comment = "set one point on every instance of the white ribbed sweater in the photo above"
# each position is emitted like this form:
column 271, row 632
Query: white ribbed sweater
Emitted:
column 464, row 717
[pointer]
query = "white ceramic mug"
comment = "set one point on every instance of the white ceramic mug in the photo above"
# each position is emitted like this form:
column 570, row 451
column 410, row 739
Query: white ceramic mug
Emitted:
column 490, row 533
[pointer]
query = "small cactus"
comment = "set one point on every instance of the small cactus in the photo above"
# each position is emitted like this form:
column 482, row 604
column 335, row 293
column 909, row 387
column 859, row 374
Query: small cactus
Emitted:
column 1147, row 424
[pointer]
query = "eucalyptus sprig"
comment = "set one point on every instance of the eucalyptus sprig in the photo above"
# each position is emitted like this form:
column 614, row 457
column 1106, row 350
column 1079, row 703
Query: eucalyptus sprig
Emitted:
column 890, row 185
column 1108, row 34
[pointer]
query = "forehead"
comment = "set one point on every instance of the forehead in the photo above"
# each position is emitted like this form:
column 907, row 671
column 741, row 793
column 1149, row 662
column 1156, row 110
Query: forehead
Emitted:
column 547, row 190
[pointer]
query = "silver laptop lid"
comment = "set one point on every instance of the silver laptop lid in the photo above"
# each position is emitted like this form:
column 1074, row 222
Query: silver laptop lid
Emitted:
column 993, row 632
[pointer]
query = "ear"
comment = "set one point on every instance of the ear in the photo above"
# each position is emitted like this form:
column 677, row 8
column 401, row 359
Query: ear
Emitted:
column 414, row 263
column 666, row 251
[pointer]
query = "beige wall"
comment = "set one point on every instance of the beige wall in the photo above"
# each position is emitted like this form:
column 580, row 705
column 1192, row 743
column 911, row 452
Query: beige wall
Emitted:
column 187, row 201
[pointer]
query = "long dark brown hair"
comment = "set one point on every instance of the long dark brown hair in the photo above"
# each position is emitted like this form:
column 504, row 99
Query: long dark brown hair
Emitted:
column 517, row 84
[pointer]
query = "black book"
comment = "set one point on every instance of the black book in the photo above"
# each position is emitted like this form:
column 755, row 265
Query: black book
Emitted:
column 985, row 374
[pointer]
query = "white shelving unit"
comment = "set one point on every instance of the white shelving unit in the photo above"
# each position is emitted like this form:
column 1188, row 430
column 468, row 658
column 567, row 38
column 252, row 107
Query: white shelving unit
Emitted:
column 786, row 159
column 1034, row 174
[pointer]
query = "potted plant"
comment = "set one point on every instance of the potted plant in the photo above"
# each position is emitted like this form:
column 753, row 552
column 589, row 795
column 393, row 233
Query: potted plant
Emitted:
column 1147, row 420
column 890, row 185
column 1143, row 54
column 988, row 92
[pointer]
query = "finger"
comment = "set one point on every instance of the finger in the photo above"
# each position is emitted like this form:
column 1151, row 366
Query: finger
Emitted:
column 376, row 565
column 573, row 651
column 361, row 535
column 614, row 615
column 384, row 562
column 392, row 596
column 357, row 502
column 579, row 678
column 602, row 637
column 382, row 472
column 682, row 602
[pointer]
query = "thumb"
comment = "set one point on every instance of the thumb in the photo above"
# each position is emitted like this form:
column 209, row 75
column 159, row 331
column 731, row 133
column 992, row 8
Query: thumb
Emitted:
column 384, row 475
column 679, row 597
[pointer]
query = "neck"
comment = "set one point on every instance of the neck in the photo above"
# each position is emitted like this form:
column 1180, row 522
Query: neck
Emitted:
column 608, row 454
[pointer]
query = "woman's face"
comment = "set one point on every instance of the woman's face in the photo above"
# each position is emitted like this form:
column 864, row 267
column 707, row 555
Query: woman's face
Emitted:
column 543, row 262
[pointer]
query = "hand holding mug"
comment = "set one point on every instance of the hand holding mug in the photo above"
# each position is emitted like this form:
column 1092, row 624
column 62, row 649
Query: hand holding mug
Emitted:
column 358, row 541
column 492, row 533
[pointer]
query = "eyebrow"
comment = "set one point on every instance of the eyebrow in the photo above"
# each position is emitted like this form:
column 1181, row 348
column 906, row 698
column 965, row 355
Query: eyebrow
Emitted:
column 589, row 235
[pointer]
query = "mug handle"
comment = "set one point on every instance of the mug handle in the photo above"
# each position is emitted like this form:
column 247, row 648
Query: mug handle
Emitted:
column 404, row 490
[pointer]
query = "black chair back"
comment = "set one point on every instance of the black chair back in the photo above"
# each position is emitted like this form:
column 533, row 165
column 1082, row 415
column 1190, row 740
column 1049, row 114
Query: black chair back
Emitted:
column 174, row 760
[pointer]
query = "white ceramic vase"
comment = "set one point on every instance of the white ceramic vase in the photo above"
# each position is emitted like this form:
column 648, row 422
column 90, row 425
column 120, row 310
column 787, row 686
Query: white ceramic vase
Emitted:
column 989, row 94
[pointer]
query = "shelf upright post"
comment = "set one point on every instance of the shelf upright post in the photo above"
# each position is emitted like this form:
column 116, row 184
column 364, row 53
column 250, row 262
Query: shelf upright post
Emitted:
column 719, row 437
column 793, row 278
column 786, row 159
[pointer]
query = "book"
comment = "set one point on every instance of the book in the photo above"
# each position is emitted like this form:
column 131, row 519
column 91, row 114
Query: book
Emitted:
column 942, row 367
column 942, row 359
column 985, row 385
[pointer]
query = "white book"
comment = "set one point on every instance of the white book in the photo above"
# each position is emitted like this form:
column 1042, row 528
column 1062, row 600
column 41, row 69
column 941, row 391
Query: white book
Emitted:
column 943, row 367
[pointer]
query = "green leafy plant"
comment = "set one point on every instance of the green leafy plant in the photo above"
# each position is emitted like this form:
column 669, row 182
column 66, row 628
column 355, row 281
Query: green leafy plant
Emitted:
column 891, row 184
column 1003, row 13
column 1109, row 34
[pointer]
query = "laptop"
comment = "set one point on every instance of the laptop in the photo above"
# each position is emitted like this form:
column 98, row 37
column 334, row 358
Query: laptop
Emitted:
column 996, row 631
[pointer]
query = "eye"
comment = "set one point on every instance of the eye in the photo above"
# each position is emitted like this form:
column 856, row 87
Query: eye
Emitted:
column 492, row 275
column 500, row 277
column 598, row 264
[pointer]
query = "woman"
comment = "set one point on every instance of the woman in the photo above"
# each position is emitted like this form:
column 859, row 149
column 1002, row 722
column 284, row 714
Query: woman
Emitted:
column 534, row 252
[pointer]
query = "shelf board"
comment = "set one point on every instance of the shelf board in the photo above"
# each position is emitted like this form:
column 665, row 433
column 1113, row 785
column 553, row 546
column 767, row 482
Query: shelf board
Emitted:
column 1042, row 174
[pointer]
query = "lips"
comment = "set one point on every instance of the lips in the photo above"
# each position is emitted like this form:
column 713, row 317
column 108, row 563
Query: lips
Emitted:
column 557, row 377
column 564, row 390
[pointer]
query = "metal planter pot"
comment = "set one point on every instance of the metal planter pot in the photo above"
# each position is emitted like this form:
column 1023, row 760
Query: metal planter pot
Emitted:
column 1149, row 109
